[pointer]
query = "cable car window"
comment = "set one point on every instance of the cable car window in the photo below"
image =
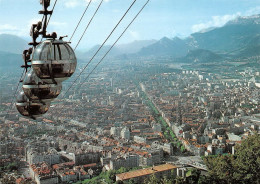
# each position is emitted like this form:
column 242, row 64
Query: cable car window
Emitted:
column 60, row 54
column 36, row 53
column 65, row 52
column 21, row 98
column 45, row 53
column 56, row 54
column 71, row 52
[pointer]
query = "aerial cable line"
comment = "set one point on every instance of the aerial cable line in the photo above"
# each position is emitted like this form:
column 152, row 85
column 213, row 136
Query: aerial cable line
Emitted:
column 50, row 15
column 111, row 46
column 80, row 19
column 100, row 48
column 16, row 90
column 52, row 12
column 88, row 24
column 115, row 42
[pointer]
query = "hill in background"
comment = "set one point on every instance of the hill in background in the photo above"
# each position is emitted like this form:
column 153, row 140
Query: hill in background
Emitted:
column 239, row 38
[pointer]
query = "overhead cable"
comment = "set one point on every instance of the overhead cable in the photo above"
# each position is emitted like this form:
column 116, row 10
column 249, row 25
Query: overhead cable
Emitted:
column 52, row 12
column 49, row 16
column 115, row 42
column 88, row 24
column 100, row 47
column 80, row 20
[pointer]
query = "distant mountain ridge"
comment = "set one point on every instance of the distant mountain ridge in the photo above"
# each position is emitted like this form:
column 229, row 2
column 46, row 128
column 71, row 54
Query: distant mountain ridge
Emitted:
column 245, row 20
column 238, row 38
column 10, row 60
column 117, row 50
column 201, row 56
column 175, row 47
column 242, row 33
column 134, row 46
column 12, row 44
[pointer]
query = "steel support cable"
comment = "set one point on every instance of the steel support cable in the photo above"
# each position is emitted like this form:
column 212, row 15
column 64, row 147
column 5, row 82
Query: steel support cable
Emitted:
column 80, row 20
column 99, row 48
column 49, row 16
column 89, row 24
column 52, row 12
column 115, row 42
column 16, row 90
column 112, row 45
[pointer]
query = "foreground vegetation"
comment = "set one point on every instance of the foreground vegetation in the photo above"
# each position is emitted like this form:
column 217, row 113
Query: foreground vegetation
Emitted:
column 241, row 168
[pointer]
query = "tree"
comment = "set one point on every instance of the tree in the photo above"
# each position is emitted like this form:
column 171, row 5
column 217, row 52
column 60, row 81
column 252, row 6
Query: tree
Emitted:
column 217, row 114
column 205, row 180
column 8, row 179
column 131, row 181
column 247, row 161
column 153, row 180
column 182, row 148
column 165, row 180
column 179, row 180
column 243, row 167
column 193, row 177
column 221, row 168
column 121, row 170
column 119, row 182
column 178, row 144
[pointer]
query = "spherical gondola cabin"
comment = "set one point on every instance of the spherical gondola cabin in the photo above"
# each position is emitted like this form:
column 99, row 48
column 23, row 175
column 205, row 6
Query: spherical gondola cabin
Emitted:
column 28, row 108
column 35, row 89
column 54, row 61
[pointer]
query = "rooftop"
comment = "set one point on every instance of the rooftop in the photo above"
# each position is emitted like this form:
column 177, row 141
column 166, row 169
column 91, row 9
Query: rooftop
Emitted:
column 144, row 172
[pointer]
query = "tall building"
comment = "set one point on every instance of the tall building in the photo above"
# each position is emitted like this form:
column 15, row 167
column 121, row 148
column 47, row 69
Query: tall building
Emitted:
column 125, row 133
column 128, row 161
column 42, row 173
column 115, row 131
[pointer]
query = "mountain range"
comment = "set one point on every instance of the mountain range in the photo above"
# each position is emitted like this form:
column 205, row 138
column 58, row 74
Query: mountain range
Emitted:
column 130, row 48
column 238, row 38
column 12, row 44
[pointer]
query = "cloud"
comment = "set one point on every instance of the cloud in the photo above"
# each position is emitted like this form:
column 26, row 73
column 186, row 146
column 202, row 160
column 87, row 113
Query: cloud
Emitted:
column 53, row 23
column 216, row 21
column 7, row 27
column 57, row 27
column 71, row 3
column 115, row 10
column 253, row 11
column 22, row 31
column 11, row 29
column 75, row 3
column 134, row 34
column 33, row 21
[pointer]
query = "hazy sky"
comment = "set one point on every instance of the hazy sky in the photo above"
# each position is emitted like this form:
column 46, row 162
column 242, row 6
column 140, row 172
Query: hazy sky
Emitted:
column 160, row 18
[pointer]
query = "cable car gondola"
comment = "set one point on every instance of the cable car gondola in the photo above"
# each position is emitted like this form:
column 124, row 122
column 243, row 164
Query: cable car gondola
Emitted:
column 31, row 109
column 54, row 61
column 35, row 89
